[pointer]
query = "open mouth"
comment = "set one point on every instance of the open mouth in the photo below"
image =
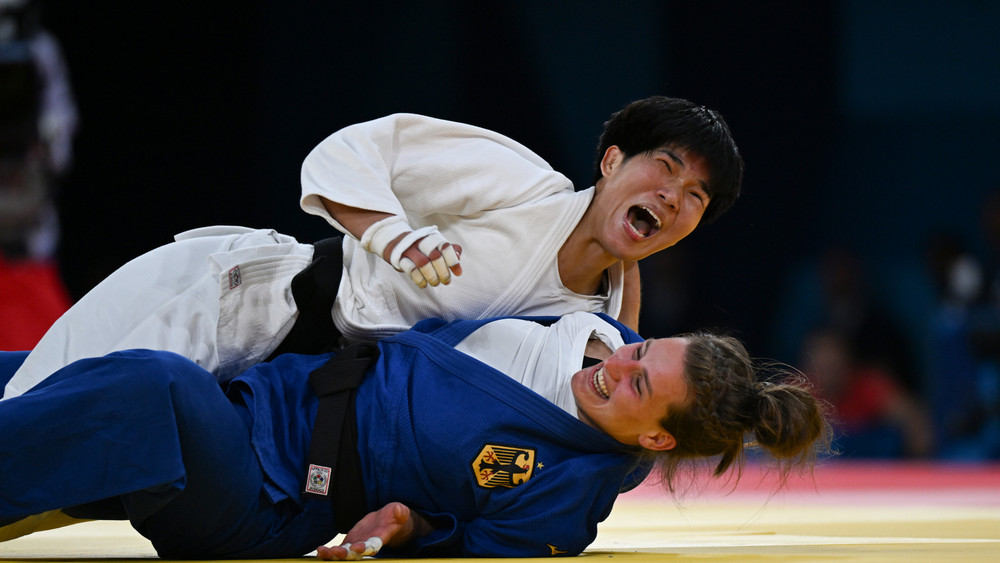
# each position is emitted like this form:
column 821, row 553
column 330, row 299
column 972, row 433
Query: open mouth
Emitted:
column 644, row 222
column 599, row 384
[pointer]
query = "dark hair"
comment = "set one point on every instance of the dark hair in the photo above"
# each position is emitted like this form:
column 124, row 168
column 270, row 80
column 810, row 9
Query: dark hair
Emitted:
column 646, row 125
column 729, row 409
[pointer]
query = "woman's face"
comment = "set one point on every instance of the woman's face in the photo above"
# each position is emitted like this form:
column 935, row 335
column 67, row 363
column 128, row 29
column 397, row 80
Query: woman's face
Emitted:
column 650, row 201
column 629, row 393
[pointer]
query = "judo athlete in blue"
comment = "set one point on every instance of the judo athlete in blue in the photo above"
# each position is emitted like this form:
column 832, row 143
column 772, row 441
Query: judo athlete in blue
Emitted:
column 477, row 463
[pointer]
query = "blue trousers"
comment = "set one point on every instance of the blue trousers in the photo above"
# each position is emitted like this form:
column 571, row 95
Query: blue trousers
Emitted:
column 155, row 430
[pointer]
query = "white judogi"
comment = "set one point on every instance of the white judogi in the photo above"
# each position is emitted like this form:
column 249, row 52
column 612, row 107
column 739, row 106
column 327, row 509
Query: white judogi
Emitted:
column 506, row 207
column 221, row 296
column 542, row 358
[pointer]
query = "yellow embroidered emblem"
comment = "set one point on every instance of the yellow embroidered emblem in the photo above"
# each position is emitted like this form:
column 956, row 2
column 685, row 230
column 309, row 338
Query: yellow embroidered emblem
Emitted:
column 555, row 551
column 503, row 466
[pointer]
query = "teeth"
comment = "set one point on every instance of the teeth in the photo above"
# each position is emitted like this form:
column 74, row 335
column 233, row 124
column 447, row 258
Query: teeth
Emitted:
column 599, row 383
column 653, row 215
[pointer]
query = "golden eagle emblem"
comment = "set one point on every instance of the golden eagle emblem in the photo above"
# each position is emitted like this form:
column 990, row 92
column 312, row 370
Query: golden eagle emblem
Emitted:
column 503, row 466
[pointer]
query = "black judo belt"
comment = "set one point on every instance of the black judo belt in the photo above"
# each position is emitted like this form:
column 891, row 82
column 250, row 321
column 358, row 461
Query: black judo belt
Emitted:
column 314, row 290
column 334, row 464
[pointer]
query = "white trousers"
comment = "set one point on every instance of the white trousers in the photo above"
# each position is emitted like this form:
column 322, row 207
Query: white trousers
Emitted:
column 220, row 296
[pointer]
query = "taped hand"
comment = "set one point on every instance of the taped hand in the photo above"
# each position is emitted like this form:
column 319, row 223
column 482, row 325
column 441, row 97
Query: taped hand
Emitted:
column 423, row 254
column 350, row 551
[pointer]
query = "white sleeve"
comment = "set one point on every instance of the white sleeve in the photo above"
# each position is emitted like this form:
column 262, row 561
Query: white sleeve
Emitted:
column 417, row 166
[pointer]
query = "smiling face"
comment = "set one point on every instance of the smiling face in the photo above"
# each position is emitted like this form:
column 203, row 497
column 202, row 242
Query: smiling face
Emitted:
column 648, row 202
column 629, row 393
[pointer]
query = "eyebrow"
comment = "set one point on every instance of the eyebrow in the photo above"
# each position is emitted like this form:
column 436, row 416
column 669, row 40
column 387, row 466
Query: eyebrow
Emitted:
column 645, row 374
column 673, row 156
column 680, row 161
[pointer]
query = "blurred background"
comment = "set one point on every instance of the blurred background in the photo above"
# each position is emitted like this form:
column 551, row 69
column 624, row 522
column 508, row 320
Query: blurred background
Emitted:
column 865, row 249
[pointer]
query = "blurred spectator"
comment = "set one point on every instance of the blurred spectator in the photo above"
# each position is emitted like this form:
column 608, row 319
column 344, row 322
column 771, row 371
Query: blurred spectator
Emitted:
column 836, row 292
column 874, row 415
column 37, row 123
column 38, row 120
column 965, row 365
column 32, row 297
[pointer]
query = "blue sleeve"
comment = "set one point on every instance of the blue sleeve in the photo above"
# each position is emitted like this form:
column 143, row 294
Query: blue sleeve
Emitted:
column 9, row 363
column 553, row 516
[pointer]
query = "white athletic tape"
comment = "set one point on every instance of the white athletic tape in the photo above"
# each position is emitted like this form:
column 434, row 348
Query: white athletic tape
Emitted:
column 450, row 256
column 430, row 274
column 429, row 244
column 407, row 242
column 427, row 239
column 378, row 236
column 409, row 268
column 372, row 546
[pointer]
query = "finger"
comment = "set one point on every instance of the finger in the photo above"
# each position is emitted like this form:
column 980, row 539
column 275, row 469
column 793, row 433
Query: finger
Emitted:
column 356, row 550
column 440, row 267
column 406, row 243
column 372, row 545
column 410, row 269
column 451, row 258
column 352, row 553
column 430, row 246
column 430, row 274
column 335, row 553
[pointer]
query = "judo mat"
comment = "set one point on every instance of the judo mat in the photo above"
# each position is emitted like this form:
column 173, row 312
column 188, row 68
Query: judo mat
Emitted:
column 844, row 511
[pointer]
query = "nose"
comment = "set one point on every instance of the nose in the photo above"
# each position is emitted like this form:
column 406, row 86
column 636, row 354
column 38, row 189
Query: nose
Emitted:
column 669, row 196
column 619, row 366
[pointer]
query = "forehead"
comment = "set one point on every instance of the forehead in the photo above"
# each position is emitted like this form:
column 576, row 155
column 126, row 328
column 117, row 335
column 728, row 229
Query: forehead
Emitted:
column 666, row 370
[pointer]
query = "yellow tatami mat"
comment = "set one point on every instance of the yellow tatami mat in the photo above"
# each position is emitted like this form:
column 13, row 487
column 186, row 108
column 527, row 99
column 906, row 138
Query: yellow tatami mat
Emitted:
column 846, row 512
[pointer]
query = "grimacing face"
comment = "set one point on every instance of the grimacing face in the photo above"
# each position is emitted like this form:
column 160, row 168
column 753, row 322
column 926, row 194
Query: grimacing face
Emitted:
column 649, row 202
column 630, row 392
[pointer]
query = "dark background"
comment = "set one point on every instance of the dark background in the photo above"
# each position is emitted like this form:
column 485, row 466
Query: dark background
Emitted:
column 868, row 126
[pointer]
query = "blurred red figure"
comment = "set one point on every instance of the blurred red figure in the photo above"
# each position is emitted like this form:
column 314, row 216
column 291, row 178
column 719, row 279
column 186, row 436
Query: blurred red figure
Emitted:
column 32, row 297
column 874, row 415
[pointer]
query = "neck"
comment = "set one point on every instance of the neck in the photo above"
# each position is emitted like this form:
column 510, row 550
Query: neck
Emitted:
column 582, row 261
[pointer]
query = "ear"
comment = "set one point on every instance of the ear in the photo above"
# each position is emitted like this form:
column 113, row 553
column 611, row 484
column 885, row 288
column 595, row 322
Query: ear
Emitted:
column 612, row 158
column 657, row 441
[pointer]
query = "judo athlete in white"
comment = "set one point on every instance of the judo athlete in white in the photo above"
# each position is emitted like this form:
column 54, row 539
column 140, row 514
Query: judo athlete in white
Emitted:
column 420, row 200
column 454, row 457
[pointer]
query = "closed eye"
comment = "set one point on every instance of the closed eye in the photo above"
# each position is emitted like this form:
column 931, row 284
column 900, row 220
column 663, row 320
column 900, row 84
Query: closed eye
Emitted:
column 640, row 351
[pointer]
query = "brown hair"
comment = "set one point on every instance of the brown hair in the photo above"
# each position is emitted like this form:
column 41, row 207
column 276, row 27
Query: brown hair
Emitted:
column 731, row 408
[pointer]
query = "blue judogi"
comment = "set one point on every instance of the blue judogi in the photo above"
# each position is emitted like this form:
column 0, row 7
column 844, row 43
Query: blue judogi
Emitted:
column 499, row 470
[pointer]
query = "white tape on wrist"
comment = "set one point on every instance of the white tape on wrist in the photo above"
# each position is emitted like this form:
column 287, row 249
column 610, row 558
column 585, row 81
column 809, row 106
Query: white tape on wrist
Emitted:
column 378, row 236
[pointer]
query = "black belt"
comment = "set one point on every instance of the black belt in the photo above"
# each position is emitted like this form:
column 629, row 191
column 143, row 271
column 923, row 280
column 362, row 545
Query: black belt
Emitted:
column 334, row 465
column 314, row 290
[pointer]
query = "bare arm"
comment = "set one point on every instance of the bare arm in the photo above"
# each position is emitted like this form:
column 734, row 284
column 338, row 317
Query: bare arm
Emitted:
column 354, row 219
column 631, row 296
